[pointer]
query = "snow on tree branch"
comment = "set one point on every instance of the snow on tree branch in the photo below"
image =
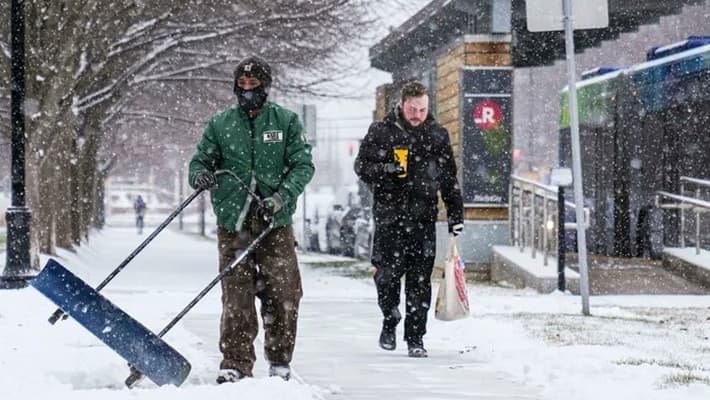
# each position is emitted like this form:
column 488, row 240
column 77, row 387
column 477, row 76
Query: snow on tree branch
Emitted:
column 180, row 71
column 5, row 50
column 316, row 16
column 103, row 94
column 159, row 117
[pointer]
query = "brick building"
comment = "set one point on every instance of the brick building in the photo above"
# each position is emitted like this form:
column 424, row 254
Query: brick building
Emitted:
column 456, row 51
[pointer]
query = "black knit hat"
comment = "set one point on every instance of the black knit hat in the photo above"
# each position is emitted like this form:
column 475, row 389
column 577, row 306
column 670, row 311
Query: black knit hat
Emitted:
column 253, row 67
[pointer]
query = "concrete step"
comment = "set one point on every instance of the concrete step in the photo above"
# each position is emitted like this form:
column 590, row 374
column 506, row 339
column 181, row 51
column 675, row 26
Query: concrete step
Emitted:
column 686, row 263
column 607, row 275
column 519, row 269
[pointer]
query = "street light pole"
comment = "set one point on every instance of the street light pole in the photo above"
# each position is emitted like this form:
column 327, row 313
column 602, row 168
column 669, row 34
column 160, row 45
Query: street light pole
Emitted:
column 17, row 266
column 576, row 158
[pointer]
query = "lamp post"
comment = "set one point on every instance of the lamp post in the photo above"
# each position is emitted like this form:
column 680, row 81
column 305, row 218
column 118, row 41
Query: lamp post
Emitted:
column 17, row 266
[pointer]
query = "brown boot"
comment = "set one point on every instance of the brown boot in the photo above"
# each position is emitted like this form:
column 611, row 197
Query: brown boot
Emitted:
column 229, row 376
column 283, row 371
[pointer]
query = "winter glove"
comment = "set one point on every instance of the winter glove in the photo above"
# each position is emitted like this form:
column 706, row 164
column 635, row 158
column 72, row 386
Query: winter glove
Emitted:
column 394, row 169
column 270, row 206
column 456, row 229
column 205, row 180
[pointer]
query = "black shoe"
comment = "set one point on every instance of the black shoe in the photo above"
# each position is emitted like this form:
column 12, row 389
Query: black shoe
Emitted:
column 417, row 350
column 388, row 338
column 229, row 376
column 283, row 371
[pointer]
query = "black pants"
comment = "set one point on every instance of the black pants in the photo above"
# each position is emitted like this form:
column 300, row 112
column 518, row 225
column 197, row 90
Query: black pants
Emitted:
column 405, row 249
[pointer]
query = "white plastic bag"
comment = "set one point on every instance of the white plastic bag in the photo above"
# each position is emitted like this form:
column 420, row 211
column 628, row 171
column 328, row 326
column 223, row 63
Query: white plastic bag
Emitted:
column 452, row 299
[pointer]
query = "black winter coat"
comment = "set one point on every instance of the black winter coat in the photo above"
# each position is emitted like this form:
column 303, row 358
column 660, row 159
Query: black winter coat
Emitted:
column 431, row 168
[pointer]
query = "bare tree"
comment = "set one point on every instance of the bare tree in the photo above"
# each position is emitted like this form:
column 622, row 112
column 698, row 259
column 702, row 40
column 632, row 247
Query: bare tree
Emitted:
column 88, row 60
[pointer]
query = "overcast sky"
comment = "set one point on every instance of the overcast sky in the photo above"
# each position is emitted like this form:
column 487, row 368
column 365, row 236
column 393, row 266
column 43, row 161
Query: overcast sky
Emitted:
column 346, row 120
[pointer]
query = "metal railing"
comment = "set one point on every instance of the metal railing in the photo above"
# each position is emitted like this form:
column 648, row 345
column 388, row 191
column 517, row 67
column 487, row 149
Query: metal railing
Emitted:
column 533, row 217
column 686, row 203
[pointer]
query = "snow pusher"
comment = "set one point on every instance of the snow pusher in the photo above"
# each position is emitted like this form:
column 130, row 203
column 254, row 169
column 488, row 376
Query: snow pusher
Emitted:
column 140, row 347
column 146, row 353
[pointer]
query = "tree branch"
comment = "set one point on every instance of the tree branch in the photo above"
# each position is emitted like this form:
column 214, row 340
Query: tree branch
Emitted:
column 159, row 117
column 174, row 74
column 194, row 34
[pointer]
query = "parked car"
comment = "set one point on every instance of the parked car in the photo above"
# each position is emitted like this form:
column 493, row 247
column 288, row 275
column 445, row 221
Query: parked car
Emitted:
column 364, row 229
column 348, row 231
column 332, row 230
column 354, row 233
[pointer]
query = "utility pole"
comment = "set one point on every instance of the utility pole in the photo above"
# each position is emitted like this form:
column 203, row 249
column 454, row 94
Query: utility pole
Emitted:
column 18, row 269
column 559, row 15
column 308, row 113
column 576, row 157
column 179, row 196
column 202, row 209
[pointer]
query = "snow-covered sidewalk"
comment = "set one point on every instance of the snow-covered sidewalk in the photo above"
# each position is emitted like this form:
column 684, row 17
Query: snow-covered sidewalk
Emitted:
column 517, row 344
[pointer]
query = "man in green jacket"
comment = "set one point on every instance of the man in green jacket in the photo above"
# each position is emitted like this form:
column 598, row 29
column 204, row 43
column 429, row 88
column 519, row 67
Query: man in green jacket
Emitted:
column 262, row 145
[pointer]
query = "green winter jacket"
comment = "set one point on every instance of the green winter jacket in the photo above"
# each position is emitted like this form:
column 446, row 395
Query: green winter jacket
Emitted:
column 275, row 158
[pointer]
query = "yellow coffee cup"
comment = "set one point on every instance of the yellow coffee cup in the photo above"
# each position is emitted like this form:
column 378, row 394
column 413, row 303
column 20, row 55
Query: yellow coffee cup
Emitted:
column 400, row 156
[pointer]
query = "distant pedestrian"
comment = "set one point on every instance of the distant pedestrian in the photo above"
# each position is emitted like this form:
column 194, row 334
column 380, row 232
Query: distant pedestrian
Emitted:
column 310, row 236
column 264, row 145
column 139, row 207
column 406, row 160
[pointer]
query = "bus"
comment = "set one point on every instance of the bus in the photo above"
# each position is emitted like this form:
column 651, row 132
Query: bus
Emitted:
column 641, row 129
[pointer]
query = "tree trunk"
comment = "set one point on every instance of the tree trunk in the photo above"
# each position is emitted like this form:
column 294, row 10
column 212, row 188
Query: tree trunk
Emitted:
column 76, row 196
column 100, row 206
column 32, row 195
column 62, row 201
column 44, row 223
column 88, row 176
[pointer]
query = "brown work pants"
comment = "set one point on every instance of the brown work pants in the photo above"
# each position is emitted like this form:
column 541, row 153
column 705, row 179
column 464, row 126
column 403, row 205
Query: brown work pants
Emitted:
column 269, row 273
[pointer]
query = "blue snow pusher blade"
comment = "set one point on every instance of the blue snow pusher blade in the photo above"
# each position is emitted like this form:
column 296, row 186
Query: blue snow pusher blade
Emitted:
column 139, row 346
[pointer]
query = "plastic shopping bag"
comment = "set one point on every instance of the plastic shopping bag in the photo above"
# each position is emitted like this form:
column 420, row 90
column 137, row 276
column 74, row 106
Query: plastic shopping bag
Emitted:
column 452, row 299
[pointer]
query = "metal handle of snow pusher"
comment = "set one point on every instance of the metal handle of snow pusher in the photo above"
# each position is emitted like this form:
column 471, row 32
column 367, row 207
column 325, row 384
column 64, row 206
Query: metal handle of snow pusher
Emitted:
column 59, row 313
column 137, row 375
column 241, row 182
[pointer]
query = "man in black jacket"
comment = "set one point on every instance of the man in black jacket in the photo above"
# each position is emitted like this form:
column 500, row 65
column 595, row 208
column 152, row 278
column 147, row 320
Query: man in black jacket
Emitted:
column 406, row 159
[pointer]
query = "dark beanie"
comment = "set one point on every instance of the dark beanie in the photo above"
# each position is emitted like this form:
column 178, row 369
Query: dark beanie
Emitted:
column 254, row 67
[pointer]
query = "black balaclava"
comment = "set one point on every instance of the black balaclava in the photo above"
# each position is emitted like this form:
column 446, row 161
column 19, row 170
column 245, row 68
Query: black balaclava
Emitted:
column 253, row 67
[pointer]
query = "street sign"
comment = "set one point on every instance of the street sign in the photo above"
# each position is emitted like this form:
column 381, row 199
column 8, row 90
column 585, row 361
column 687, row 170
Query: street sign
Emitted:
column 561, row 176
column 547, row 15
